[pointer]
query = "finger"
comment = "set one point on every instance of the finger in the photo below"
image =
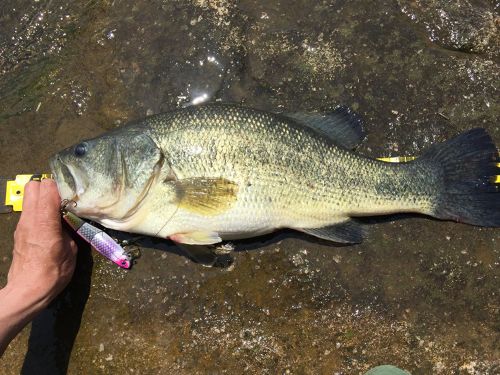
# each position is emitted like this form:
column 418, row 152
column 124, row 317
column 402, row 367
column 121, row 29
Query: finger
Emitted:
column 30, row 201
column 50, row 201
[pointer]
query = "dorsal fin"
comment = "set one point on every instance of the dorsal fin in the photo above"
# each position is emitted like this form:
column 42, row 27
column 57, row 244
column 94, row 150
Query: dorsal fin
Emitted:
column 343, row 126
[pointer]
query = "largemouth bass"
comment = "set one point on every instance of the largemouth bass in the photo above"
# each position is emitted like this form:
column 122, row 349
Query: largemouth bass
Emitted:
column 214, row 172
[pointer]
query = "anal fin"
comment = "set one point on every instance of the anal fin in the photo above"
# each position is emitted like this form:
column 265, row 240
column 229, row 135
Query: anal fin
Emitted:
column 350, row 231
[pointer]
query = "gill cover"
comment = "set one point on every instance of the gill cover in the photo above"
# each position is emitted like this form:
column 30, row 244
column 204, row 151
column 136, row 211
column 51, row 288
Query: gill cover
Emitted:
column 135, row 163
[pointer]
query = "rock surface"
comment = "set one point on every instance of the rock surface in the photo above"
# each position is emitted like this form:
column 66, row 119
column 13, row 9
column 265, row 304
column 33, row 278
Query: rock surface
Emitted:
column 419, row 294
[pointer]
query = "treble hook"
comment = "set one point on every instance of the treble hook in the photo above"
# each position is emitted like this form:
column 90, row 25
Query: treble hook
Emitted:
column 132, row 251
column 65, row 203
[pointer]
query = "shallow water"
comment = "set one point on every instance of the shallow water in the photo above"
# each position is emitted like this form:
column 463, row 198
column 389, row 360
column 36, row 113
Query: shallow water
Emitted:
column 419, row 294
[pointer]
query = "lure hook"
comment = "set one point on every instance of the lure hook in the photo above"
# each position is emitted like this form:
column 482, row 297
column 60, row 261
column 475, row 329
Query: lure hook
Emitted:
column 65, row 203
column 132, row 251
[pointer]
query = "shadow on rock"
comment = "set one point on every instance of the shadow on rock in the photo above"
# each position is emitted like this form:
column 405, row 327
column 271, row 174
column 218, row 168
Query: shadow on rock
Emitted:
column 210, row 255
column 219, row 255
column 54, row 331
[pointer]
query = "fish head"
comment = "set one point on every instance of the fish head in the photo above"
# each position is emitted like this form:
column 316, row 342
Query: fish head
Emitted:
column 109, row 176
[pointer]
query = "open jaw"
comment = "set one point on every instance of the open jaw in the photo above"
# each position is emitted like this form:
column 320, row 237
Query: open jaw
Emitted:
column 65, row 179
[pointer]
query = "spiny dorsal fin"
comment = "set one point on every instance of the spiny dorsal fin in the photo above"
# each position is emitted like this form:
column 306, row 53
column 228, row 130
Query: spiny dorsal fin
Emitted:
column 343, row 126
column 349, row 231
column 205, row 196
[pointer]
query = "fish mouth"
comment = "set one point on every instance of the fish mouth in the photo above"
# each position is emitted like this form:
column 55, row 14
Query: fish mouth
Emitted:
column 65, row 180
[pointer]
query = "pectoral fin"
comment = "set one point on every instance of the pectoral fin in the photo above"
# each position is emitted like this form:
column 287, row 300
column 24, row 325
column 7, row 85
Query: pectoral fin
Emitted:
column 205, row 196
column 349, row 231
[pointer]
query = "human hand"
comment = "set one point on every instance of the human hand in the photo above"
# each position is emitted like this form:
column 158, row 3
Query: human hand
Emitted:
column 44, row 255
column 43, row 260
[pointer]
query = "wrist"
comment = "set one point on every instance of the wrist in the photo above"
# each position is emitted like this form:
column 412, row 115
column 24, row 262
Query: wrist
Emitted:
column 17, row 308
column 26, row 296
column 35, row 286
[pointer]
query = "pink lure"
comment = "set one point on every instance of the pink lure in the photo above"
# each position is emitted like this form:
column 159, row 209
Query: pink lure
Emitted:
column 99, row 240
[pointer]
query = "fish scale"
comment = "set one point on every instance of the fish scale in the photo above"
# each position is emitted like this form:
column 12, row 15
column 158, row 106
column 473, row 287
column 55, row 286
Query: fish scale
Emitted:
column 297, row 177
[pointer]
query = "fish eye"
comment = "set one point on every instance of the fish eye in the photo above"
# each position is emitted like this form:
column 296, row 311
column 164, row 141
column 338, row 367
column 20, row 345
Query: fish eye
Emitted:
column 80, row 149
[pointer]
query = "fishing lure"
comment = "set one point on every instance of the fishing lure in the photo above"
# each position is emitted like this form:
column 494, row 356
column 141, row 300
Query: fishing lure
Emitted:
column 97, row 238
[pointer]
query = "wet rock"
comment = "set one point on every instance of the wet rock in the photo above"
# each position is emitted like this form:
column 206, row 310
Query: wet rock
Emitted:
column 417, row 293
column 466, row 26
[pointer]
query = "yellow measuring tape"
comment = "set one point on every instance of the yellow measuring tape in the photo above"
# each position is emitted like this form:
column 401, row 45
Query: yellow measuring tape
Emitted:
column 398, row 159
column 404, row 159
column 14, row 189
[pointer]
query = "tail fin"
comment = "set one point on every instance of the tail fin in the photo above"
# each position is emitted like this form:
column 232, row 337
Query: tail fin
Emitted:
column 468, row 165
